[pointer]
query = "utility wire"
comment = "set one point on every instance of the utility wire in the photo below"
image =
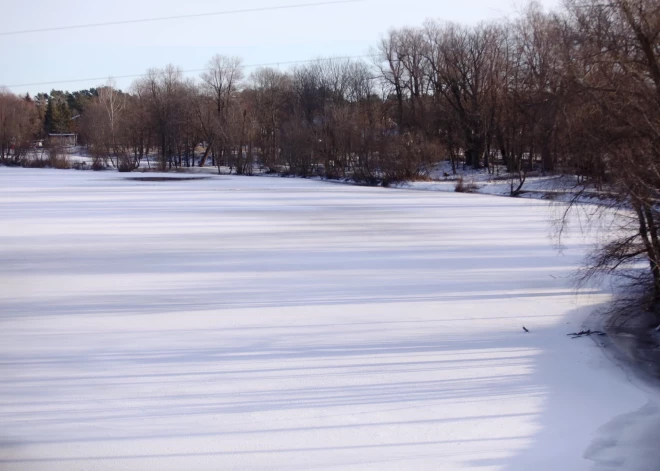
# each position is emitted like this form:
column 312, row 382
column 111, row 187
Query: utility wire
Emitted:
column 266, row 64
column 176, row 17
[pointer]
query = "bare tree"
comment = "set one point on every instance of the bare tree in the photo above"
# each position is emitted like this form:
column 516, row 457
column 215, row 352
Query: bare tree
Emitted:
column 164, row 93
column 18, row 124
column 114, row 103
column 220, row 84
column 613, row 132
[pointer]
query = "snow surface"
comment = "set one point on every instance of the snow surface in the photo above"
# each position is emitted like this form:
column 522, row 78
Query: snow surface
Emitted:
column 274, row 323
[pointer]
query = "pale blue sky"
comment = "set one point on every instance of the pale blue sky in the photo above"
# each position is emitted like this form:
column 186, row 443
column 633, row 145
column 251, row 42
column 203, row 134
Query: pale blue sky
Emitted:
column 271, row 36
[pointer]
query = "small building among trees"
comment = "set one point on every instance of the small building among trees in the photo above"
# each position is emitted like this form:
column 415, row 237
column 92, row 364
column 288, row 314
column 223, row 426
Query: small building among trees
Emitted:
column 63, row 140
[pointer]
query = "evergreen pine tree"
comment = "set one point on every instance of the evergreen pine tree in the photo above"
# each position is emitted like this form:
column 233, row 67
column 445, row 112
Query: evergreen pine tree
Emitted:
column 64, row 117
column 48, row 119
column 58, row 113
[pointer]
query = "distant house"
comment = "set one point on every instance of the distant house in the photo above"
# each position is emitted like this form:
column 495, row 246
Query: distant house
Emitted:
column 63, row 140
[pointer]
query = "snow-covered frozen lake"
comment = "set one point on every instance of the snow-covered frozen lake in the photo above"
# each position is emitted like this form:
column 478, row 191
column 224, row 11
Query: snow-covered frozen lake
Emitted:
column 271, row 323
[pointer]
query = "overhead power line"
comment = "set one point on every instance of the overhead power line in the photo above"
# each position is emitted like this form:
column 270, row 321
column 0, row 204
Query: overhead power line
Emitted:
column 176, row 17
column 189, row 71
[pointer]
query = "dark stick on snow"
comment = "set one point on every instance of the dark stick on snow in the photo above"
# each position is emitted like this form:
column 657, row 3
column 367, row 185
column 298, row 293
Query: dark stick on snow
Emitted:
column 585, row 333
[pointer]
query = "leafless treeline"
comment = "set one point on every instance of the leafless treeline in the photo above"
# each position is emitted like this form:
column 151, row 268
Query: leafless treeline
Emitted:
column 521, row 94
column 482, row 96
column 518, row 93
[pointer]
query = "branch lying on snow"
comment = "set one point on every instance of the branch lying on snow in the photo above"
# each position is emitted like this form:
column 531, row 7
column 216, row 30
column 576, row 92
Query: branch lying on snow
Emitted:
column 587, row 333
